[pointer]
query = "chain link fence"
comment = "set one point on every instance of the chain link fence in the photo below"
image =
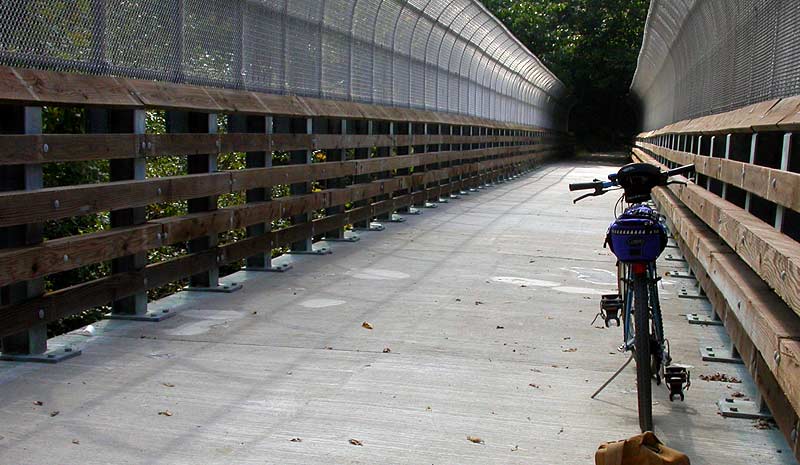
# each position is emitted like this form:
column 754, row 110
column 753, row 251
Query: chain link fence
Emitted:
column 702, row 57
column 443, row 55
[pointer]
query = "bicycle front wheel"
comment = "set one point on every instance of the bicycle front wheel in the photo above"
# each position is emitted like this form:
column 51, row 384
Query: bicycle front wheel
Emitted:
column 642, row 351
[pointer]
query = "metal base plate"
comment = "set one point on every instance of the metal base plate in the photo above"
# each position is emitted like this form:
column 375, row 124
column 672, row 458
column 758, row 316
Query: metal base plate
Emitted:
column 719, row 354
column 463, row 193
column 372, row 227
column 51, row 356
column 319, row 251
column 224, row 288
column 672, row 244
column 472, row 189
column 395, row 218
column 681, row 274
column 747, row 409
column 443, row 200
column 455, row 196
column 271, row 269
column 430, row 205
column 153, row 317
column 685, row 293
column 674, row 258
column 698, row 319
column 413, row 211
column 342, row 239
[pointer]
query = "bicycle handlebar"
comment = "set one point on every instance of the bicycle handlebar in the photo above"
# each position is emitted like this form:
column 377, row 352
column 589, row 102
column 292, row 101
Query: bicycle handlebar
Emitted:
column 579, row 186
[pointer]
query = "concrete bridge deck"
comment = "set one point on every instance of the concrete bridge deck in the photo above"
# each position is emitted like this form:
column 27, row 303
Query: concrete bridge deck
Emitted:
column 480, row 313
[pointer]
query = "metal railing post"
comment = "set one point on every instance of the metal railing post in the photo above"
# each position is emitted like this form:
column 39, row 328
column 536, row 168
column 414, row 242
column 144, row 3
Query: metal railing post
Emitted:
column 30, row 344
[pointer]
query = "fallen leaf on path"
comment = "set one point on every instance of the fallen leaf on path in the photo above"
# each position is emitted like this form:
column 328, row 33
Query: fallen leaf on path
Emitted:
column 167, row 384
column 500, row 327
column 720, row 377
column 534, row 385
column 572, row 349
column 474, row 439
column 762, row 424
column 478, row 302
column 515, row 448
column 386, row 350
column 75, row 441
column 737, row 394
column 356, row 442
column 38, row 402
column 54, row 413
column 295, row 440
column 165, row 413
column 366, row 325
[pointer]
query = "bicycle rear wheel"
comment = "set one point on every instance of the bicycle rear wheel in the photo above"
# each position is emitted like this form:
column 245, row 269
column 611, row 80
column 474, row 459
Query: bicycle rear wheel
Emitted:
column 642, row 351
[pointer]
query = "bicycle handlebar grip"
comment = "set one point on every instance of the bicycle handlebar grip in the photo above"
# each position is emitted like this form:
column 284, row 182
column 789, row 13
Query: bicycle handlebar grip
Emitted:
column 680, row 170
column 579, row 186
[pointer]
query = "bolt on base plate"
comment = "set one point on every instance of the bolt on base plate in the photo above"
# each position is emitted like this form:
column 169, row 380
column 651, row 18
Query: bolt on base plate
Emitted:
column 720, row 354
column 270, row 269
column 51, row 356
column 153, row 317
column 747, row 409
column 223, row 288
column 698, row 319
column 674, row 258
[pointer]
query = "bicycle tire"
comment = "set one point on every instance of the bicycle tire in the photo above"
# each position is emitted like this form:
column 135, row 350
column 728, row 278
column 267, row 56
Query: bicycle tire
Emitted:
column 642, row 351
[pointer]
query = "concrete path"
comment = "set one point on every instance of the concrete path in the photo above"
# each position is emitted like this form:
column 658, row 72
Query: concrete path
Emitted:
column 481, row 315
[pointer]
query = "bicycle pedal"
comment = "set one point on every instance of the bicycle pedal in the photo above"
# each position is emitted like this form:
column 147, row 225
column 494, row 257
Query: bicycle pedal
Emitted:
column 610, row 305
column 677, row 379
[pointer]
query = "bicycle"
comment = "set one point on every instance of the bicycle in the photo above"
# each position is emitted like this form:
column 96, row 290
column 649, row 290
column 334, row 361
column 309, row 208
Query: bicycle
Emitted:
column 638, row 237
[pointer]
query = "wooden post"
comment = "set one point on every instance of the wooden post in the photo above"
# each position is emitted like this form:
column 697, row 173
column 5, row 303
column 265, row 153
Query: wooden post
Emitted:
column 101, row 121
column 239, row 123
column 408, row 129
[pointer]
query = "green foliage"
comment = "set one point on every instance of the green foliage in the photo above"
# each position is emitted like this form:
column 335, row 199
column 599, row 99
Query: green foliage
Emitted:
column 592, row 46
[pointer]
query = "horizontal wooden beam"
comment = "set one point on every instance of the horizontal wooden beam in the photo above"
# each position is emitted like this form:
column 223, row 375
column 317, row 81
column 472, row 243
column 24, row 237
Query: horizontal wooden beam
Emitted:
column 771, row 115
column 763, row 329
column 53, row 148
column 780, row 187
column 65, row 302
column 68, row 201
column 25, row 86
column 774, row 256
column 72, row 252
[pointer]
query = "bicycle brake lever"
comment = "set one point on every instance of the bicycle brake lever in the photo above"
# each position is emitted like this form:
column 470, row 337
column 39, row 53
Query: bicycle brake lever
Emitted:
column 591, row 194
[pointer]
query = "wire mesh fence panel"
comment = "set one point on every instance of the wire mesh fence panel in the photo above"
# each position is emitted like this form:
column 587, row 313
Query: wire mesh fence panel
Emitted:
column 445, row 55
column 701, row 57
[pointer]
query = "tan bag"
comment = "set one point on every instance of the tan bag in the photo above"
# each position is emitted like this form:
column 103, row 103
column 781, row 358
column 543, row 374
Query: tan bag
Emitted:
column 642, row 449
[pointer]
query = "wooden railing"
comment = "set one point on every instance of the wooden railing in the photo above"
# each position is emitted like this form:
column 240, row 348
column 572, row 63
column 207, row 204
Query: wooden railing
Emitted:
column 400, row 158
column 737, row 225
